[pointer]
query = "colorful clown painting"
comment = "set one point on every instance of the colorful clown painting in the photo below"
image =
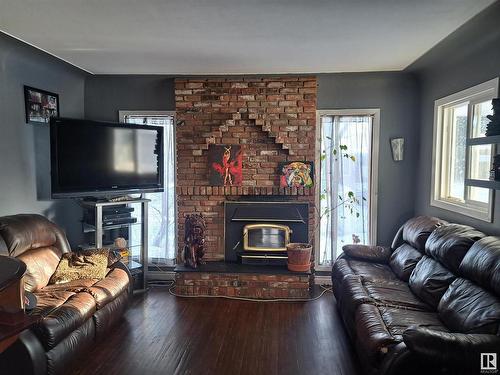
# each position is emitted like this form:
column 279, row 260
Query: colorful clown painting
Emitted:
column 296, row 174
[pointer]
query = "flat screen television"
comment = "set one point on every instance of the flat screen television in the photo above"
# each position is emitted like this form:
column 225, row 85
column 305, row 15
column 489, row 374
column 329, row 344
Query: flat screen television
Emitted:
column 95, row 159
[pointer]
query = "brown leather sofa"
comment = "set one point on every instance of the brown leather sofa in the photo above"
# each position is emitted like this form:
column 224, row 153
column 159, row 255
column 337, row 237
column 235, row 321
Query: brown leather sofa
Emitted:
column 72, row 315
column 428, row 304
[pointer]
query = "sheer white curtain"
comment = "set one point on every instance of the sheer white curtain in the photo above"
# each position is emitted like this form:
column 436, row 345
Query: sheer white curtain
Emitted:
column 162, row 212
column 340, row 175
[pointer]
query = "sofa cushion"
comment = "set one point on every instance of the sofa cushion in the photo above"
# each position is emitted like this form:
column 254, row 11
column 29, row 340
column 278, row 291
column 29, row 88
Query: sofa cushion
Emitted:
column 353, row 290
column 403, row 260
column 393, row 293
column 429, row 280
column 40, row 265
column 451, row 349
column 468, row 308
column 108, row 316
column 379, row 328
column 356, row 291
column 47, row 301
column 481, row 264
column 107, row 289
column 61, row 321
column 368, row 270
column 397, row 320
column 352, row 295
column 76, row 286
column 28, row 231
column 377, row 254
column 449, row 243
column 372, row 271
column 417, row 230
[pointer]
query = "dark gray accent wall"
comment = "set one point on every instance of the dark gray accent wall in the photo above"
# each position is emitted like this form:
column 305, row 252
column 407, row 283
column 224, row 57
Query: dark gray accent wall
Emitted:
column 396, row 95
column 105, row 95
column 24, row 148
column 467, row 57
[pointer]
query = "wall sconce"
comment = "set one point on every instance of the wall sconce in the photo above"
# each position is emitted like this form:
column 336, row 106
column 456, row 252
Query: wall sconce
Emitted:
column 398, row 148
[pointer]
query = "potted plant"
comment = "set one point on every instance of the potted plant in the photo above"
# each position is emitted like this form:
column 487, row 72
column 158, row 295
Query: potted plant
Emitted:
column 299, row 254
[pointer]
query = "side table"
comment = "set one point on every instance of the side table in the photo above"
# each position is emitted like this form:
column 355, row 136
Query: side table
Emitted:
column 13, row 320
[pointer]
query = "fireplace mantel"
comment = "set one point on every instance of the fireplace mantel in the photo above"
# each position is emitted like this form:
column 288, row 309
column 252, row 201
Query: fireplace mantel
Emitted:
column 242, row 190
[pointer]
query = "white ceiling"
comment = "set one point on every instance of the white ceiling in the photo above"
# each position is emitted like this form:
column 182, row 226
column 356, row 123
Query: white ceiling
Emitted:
column 235, row 36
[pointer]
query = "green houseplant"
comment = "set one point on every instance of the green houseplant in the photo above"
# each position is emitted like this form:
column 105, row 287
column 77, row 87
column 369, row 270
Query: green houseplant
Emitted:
column 299, row 254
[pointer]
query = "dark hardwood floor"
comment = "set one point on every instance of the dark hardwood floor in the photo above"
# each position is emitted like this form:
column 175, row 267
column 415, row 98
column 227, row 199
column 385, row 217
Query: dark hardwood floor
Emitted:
column 163, row 334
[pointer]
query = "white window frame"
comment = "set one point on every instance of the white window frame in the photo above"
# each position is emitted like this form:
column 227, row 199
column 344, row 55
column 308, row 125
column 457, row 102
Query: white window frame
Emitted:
column 473, row 95
column 121, row 117
column 375, row 112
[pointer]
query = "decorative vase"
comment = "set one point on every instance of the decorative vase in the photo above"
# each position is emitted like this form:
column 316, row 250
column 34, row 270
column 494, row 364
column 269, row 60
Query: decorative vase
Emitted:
column 299, row 256
column 496, row 167
column 493, row 127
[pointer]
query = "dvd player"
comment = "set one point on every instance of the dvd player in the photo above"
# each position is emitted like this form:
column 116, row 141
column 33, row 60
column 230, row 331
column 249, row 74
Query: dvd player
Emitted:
column 116, row 210
column 111, row 222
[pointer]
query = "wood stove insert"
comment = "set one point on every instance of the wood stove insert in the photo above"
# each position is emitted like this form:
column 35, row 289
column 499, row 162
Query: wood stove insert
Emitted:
column 257, row 232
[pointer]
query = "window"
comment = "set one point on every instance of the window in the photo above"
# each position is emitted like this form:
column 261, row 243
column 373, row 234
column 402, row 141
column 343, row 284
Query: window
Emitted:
column 162, row 209
column 459, row 120
column 358, row 131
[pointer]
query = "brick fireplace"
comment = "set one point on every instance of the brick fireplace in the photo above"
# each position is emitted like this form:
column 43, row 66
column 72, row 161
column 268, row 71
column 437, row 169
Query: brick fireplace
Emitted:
column 272, row 118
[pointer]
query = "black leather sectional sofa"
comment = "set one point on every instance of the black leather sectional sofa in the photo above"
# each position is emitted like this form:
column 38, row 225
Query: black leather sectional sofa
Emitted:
column 428, row 304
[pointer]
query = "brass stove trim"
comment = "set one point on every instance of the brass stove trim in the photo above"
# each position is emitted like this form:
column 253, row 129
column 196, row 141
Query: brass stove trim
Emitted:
column 248, row 227
column 265, row 256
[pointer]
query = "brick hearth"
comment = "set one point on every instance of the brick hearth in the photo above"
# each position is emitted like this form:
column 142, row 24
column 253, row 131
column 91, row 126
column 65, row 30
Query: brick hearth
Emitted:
column 221, row 279
column 272, row 118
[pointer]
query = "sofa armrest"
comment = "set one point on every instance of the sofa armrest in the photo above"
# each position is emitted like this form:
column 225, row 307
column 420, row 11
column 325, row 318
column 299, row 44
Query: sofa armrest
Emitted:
column 377, row 254
column 119, row 264
column 461, row 350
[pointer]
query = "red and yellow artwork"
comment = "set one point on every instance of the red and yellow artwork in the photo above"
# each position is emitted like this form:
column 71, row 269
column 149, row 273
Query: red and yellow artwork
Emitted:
column 225, row 165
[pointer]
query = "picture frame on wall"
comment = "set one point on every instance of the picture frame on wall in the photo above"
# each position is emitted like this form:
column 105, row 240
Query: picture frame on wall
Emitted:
column 296, row 174
column 225, row 167
column 40, row 105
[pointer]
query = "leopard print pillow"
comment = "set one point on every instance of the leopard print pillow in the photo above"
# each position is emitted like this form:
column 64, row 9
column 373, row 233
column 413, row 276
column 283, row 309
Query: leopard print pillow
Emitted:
column 86, row 264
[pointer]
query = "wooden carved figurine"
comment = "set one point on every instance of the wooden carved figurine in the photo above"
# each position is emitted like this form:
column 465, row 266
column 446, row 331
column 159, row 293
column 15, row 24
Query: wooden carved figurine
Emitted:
column 194, row 240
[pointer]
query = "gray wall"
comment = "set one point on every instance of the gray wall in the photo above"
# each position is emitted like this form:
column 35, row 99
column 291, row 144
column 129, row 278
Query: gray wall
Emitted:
column 406, row 99
column 24, row 148
column 396, row 96
column 105, row 95
column 394, row 93
column 469, row 56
